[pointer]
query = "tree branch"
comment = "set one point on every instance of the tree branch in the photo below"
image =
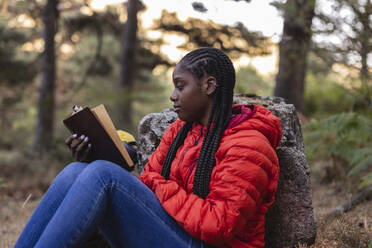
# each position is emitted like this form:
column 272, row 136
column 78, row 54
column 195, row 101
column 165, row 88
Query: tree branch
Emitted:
column 364, row 195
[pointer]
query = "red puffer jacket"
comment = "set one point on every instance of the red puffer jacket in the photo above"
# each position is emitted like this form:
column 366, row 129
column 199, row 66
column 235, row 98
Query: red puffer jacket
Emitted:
column 242, row 185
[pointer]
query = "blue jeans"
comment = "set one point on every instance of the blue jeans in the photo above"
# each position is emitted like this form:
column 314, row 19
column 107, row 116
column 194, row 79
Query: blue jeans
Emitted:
column 101, row 194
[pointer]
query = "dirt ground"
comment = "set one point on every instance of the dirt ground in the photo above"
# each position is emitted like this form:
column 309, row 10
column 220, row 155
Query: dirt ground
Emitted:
column 350, row 230
column 13, row 217
column 353, row 229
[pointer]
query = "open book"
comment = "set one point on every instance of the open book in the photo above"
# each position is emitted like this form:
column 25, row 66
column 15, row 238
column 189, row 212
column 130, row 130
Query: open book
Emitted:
column 97, row 125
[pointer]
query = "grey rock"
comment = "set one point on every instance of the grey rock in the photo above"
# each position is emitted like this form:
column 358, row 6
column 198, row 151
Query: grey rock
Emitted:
column 150, row 130
column 292, row 135
column 290, row 220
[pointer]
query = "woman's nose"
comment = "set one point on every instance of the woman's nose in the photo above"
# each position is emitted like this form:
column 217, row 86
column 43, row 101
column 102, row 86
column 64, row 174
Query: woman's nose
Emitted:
column 173, row 97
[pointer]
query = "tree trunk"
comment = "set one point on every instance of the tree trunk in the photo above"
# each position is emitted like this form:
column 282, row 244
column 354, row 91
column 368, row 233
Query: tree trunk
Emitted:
column 365, row 50
column 364, row 72
column 45, row 115
column 128, row 65
column 293, row 50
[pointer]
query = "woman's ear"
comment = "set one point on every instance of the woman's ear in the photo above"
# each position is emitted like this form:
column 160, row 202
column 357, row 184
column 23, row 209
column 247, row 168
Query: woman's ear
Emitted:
column 209, row 85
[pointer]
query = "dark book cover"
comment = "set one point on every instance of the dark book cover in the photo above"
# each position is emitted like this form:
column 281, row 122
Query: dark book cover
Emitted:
column 85, row 123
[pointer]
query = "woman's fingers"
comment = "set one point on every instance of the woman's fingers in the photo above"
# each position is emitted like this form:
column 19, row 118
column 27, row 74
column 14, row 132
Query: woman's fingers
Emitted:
column 76, row 142
column 81, row 145
column 70, row 139
column 85, row 153
column 81, row 148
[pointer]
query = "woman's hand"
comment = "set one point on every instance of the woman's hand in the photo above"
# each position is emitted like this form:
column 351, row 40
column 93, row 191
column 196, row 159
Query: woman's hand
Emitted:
column 80, row 147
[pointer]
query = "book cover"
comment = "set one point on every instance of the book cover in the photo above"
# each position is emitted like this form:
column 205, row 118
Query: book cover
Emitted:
column 97, row 125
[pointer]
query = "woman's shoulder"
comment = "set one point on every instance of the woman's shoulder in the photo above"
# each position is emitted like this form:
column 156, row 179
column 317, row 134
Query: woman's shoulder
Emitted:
column 253, row 121
column 173, row 129
column 176, row 125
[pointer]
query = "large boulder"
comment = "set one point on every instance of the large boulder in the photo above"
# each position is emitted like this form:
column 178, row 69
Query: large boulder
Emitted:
column 290, row 220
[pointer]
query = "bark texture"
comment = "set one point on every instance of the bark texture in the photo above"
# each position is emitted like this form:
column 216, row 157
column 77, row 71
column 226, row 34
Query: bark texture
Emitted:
column 45, row 108
column 128, row 64
column 365, row 47
column 293, row 50
column 291, row 219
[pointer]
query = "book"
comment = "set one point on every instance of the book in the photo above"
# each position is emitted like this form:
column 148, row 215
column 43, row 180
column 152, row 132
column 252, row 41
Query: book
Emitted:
column 96, row 124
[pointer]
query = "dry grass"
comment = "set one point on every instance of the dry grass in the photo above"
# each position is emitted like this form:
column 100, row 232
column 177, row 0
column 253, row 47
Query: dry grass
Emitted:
column 352, row 229
column 21, row 188
column 13, row 217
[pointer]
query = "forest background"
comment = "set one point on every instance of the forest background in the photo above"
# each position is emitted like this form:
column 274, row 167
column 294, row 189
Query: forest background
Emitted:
column 58, row 53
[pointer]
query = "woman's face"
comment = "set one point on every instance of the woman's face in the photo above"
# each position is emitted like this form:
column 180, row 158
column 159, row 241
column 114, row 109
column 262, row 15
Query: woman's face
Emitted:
column 190, row 96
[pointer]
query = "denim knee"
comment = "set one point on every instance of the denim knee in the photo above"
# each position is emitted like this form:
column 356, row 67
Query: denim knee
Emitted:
column 68, row 175
column 102, row 170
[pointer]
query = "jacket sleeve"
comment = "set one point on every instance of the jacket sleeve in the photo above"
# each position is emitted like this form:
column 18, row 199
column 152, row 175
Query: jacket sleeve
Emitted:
column 240, row 183
column 155, row 161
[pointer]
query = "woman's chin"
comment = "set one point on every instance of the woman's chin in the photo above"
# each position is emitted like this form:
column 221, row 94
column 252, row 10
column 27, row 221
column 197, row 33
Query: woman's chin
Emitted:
column 183, row 118
column 186, row 118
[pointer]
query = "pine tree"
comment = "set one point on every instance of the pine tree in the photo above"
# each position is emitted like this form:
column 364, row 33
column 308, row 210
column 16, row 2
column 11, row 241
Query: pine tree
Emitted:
column 45, row 116
column 293, row 50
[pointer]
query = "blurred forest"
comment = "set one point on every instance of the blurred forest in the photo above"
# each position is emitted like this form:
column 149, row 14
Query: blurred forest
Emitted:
column 58, row 53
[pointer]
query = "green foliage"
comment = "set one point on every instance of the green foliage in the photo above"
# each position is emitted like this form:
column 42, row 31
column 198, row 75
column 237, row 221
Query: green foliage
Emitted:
column 10, row 63
column 16, row 72
column 353, row 46
column 248, row 81
column 343, row 137
column 150, row 93
column 324, row 96
column 102, row 26
column 328, row 93
column 235, row 40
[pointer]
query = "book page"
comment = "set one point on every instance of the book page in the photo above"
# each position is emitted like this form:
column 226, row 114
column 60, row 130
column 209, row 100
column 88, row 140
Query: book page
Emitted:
column 106, row 122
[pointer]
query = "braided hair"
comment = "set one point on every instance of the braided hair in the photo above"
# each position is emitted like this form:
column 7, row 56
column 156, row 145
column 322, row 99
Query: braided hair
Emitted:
column 201, row 62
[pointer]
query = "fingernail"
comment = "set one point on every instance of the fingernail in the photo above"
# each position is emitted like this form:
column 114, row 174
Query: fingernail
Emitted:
column 82, row 136
column 74, row 135
column 86, row 139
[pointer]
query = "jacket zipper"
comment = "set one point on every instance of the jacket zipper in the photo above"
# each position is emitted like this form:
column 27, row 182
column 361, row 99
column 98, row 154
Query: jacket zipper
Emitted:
column 196, row 142
column 190, row 171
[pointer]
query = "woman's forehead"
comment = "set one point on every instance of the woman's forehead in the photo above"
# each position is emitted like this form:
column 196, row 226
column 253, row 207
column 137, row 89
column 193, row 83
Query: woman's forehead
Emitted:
column 180, row 71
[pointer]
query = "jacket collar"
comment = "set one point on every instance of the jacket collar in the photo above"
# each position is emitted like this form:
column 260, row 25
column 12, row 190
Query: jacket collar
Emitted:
column 240, row 113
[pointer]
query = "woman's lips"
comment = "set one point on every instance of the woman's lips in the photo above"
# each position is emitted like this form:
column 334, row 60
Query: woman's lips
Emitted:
column 176, row 108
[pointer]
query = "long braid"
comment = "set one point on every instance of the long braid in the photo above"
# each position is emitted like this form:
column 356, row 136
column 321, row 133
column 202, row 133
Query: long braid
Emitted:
column 177, row 142
column 215, row 63
column 212, row 141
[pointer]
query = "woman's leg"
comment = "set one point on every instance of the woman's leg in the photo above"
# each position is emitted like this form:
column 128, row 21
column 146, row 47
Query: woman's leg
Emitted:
column 127, row 212
column 49, row 204
column 135, row 217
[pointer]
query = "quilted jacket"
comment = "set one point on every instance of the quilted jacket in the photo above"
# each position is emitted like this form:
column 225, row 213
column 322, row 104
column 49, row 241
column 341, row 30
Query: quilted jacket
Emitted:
column 242, row 186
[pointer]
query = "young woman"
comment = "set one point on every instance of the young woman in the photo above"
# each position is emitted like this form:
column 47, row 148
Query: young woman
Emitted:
column 209, row 183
